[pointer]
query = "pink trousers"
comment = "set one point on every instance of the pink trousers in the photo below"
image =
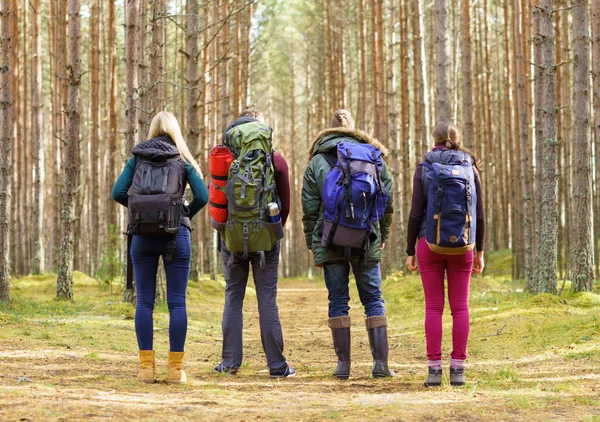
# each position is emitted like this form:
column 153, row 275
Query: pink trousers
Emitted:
column 458, row 268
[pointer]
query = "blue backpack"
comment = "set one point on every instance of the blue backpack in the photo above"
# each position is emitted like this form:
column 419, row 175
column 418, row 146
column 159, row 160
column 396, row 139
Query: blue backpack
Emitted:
column 450, row 218
column 354, row 197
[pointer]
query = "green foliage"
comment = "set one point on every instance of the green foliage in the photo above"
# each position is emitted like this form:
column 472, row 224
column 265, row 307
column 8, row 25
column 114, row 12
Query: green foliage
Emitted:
column 111, row 262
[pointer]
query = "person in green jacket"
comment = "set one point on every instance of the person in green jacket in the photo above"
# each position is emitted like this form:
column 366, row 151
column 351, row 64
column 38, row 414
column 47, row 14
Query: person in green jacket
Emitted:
column 336, row 265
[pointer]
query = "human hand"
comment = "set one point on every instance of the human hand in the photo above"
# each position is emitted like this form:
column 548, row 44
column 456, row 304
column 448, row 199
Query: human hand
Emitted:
column 382, row 245
column 478, row 263
column 411, row 263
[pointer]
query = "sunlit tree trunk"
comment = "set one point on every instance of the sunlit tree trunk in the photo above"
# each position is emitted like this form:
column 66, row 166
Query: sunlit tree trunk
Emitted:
column 64, row 283
column 131, row 60
column 595, row 25
column 548, row 246
column 523, row 141
column 583, row 253
column 6, row 140
column 37, row 139
column 94, row 131
column 362, row 80
column 467, row 99
column 442, row 68
column 145, row 85
column 157, row 57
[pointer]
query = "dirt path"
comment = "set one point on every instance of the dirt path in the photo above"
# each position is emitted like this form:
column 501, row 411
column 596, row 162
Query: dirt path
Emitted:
column 46, row 377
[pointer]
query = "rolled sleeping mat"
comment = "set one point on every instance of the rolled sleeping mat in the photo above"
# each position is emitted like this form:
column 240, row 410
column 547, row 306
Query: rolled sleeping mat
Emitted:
column 219, row 163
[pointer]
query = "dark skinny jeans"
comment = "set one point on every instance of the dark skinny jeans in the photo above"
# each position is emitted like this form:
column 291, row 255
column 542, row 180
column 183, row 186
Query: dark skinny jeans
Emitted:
column 145, row 252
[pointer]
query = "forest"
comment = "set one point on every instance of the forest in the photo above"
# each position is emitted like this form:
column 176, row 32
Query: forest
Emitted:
column 80, row 81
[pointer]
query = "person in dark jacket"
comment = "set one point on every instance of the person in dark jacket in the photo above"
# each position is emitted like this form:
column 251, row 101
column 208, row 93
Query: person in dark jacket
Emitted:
column 164, row 137
column 237, row 268
column 435, row 266
column 336, row 267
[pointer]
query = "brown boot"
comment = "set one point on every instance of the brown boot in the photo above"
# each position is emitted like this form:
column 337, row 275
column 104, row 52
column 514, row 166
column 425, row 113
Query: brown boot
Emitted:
column 175, row 374
column 147, row 365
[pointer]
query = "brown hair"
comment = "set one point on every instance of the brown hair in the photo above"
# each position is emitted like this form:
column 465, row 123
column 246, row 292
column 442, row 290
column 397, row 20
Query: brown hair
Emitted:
column 254, row 113
column 342, row 118
column 449, row 135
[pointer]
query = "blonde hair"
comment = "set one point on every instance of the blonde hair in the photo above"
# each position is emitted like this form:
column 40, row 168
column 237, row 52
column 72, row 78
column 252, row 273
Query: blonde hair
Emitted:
column 165, row 124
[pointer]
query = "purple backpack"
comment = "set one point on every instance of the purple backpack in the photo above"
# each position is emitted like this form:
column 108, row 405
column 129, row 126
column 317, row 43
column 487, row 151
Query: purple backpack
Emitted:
column 354, row 197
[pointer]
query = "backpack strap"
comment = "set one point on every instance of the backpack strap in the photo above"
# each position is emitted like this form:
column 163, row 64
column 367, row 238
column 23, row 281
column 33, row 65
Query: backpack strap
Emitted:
column 129, row 263
column 330, row 158
column 440, row 192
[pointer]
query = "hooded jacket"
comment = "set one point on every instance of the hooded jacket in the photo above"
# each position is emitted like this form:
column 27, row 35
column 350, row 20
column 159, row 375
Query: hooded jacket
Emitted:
column 312, row 204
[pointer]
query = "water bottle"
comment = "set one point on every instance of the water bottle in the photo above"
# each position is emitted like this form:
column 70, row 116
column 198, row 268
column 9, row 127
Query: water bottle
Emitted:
column 273, row 215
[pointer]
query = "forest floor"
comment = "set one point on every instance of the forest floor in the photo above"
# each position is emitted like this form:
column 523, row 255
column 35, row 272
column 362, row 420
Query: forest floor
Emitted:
column 531, row 357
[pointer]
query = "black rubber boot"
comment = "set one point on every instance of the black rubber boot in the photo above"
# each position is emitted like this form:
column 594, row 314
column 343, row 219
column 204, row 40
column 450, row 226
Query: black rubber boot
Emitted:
column 378, row 340
column 340, row 331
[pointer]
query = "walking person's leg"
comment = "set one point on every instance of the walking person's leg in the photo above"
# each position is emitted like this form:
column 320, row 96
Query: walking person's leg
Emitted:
column 368, row 283
column 271, row 336
column 144, row 256
column 236, row 269
column 432, row 267
column 459, row 280
column 336, row 279
column 177, row 271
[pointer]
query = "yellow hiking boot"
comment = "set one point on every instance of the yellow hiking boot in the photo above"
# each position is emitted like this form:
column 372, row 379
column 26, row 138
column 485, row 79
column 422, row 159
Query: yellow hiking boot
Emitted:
column 175, row 374
column 147, row 365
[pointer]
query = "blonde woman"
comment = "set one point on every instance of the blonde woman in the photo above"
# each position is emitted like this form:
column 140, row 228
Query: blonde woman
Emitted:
column 152, row 186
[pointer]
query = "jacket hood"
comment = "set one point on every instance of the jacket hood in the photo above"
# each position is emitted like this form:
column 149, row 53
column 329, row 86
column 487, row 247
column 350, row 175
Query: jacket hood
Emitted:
column 327, row 139
column 161, row 146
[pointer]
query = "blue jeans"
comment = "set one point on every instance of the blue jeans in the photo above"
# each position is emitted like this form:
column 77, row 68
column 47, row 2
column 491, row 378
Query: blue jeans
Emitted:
column 368, row 282
column 237, row 269
column 145, row 252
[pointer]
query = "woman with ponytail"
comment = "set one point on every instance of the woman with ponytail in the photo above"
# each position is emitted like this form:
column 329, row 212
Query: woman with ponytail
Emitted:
column 449, row 180
column 157, row 174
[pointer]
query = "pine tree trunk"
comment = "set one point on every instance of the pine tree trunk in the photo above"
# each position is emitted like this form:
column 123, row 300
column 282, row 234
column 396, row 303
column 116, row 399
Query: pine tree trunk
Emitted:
column 144, row 83
column 36, row 133
column 583, row 252
column 157, row 58
column 467, row 100
column 523, row 142
column 595, row 25
column 94, row 127
column 442, row 68
column 64, row 283
column 539, row 135
column 549, row 234
column 131, row 61
column 193, row 129
column 6, row 141
column 362, row 80
column 112, row 163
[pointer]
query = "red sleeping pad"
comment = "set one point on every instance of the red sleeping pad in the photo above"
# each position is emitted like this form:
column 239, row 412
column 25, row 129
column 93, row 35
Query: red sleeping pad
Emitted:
column 220, row 160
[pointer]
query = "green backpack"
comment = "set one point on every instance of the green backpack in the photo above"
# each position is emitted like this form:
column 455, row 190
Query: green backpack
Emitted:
column 250, row 187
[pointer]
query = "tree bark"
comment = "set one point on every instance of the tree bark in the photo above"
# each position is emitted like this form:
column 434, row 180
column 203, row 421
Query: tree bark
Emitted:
column 37, row 139
column 6, row 140
column 64, row 284
column 549, row 234
column 523, row 141
column 131, row 60
column 582, row 252
column 539, row 135
column 595, row 25
column 362, row 80
column 442, row 88
column 157, row 58
column 94, row 131
column 467, row 100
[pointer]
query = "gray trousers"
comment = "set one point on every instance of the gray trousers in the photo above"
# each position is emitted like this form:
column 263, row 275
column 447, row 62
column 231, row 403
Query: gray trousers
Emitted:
column 237, row 269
